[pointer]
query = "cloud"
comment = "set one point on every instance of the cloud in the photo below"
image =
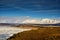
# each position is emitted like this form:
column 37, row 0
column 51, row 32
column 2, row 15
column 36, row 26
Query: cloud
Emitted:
column 41, row 21
column 31, row 4
column 27, row 19
column 48, row 21
column 30, row 21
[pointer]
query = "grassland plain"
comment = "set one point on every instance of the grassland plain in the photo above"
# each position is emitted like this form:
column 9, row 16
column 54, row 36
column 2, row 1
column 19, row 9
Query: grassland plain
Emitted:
column 42, row 33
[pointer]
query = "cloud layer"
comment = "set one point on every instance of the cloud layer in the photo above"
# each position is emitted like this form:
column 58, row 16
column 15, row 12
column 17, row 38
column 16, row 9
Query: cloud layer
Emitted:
column 28, row 19
column 35, row 5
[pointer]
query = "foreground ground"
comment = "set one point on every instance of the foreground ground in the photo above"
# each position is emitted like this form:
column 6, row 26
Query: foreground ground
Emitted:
column 42, row 33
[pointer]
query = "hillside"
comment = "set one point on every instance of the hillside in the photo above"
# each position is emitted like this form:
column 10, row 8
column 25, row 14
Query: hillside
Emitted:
column 43, row 33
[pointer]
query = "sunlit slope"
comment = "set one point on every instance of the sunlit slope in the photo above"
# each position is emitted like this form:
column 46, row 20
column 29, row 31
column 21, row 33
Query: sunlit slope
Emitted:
column 7, row 31
column 43, row 33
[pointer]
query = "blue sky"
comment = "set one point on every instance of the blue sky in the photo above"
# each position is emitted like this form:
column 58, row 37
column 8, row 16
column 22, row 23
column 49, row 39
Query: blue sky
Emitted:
column 32, row 8
column 42, row 14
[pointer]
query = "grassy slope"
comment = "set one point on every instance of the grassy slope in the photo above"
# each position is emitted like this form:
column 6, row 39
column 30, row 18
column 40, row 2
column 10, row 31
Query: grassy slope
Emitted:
column 45, row 33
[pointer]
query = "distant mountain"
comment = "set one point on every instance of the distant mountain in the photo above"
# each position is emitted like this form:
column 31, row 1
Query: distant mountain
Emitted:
column 8, row 24
column 18, row 25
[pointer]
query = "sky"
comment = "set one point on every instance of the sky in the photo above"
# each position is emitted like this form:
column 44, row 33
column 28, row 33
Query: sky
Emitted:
column 33, row 9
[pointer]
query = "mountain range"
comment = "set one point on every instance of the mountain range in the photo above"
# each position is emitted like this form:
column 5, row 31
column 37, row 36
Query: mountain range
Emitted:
column 17, row 24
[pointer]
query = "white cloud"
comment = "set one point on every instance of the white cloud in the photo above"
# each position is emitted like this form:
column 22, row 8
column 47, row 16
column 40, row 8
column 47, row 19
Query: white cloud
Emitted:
column 47, row 21
column 28, row 19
